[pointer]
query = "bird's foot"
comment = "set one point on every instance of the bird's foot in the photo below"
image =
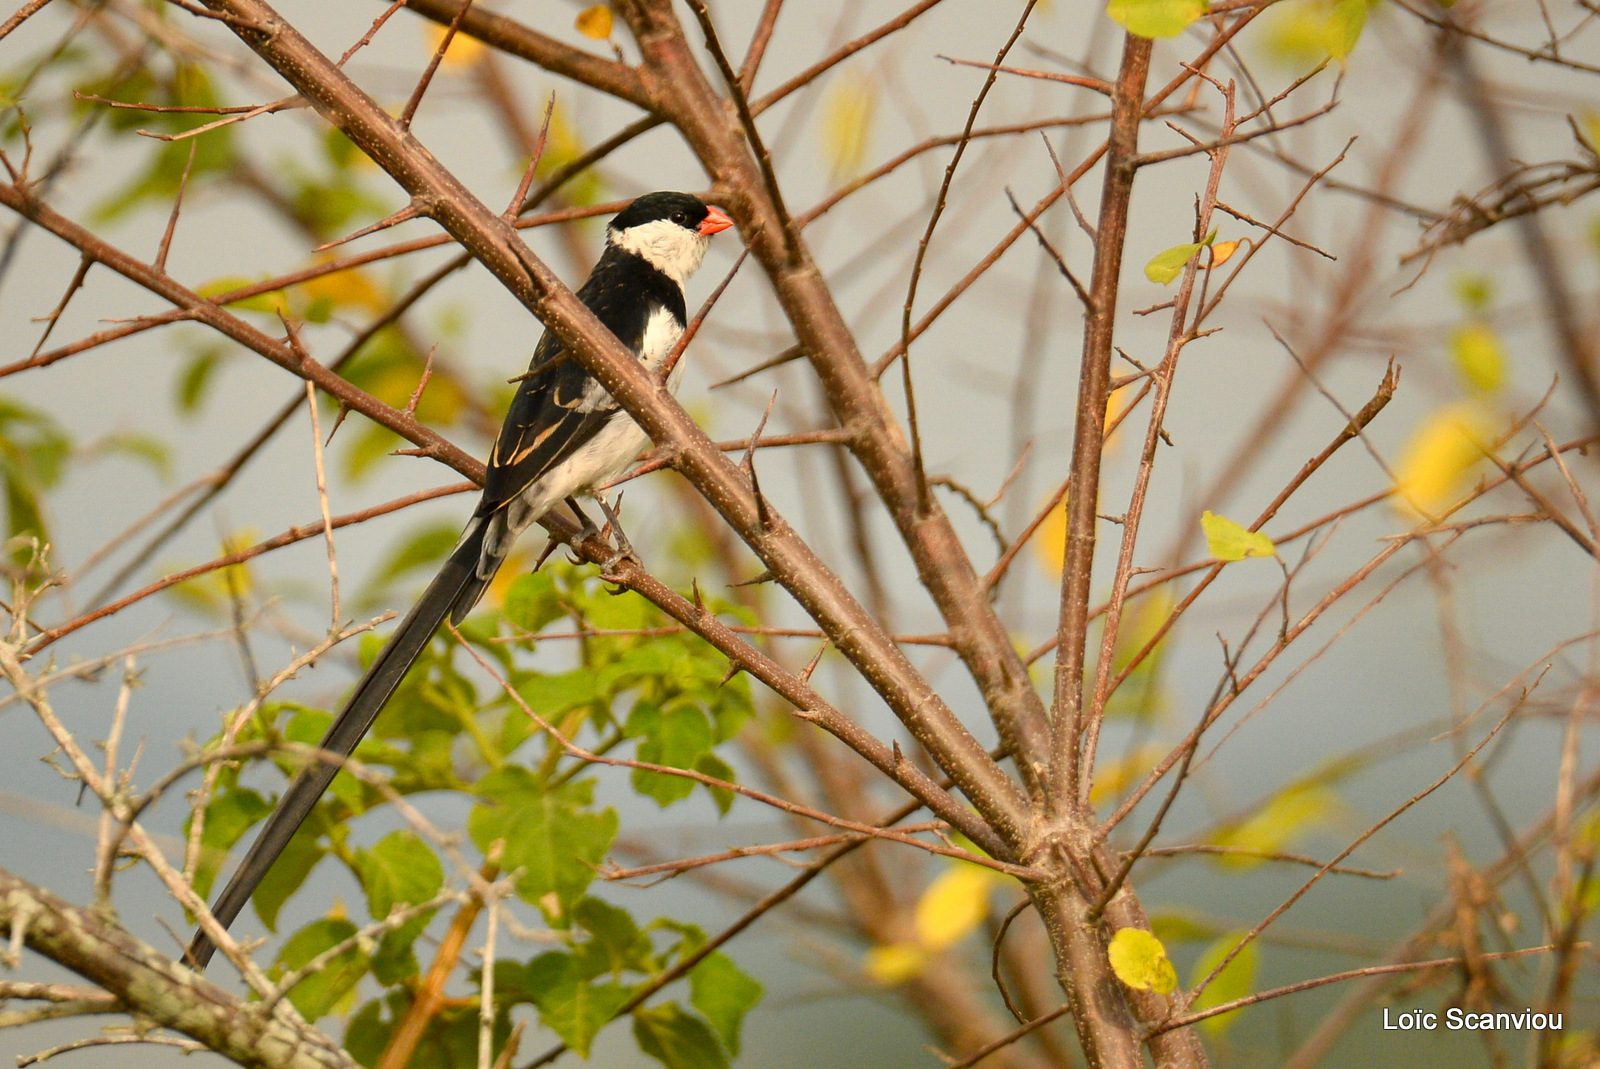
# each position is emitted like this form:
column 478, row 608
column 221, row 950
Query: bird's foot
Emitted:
column 624, row 548
column 586, row 531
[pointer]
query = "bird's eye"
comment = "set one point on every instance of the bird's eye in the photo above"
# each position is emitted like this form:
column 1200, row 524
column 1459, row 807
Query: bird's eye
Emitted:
column 680, row 218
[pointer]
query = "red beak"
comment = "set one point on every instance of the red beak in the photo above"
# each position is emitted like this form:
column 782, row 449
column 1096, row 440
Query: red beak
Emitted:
column 716, row 220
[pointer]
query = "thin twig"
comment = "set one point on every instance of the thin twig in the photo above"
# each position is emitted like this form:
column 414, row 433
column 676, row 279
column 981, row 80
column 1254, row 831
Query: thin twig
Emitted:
column 410, row 110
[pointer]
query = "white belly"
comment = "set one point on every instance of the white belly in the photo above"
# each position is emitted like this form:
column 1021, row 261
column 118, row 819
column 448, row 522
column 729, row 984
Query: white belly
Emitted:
column 598, row 461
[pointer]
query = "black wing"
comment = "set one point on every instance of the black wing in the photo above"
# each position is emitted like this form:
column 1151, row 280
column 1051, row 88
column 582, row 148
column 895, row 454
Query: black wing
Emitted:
column 558, row 407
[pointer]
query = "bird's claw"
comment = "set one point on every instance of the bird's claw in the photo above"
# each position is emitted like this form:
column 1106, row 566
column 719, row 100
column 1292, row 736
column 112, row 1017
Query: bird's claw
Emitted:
column 624, row 549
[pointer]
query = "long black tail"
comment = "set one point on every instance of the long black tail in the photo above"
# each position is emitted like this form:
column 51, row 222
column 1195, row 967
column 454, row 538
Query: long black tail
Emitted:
column 455, row 586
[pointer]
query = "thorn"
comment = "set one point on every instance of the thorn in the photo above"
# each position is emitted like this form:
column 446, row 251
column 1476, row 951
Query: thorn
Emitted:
column 727, row 678
column 338, row 421
column 410, row 211
column 805, row 673
column 292, row 337
column 748, row 464
column 515, row 208
column 549, row 548
column 794, row 352
column 699, row 600
column 764, row 577
column 422, row 383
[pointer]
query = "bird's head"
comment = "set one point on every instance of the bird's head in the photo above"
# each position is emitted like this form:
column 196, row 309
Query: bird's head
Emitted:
column 669, row 230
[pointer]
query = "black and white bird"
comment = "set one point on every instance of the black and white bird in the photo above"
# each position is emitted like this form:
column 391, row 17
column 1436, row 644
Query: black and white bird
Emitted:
column 564, row 435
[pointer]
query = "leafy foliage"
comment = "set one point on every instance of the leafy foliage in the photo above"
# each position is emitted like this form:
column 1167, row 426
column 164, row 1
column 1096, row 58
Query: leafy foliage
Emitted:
column 534, row 809
column 33, row 454
column 1235, row 981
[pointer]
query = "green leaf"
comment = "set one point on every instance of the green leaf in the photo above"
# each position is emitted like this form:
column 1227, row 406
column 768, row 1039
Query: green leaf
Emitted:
column 450, row 1040
column 676, row 1039
column 712, row 765
column 270, row 301
column 1140, row 961
column 1175, row 927
column 1475, row 292
column 1226, row 540
column 552, row 695
column 617, row 945
column 723, row 993
column 1168, row 265
column 532, row 602
column 318, row 994
column 573, row 1008
column 1156, row 18
column 146, row 447
column 553, row 836
column 623, row 612
column 228, row 817
column 367, row 448
column 160, row 180
column 1291, row 812
column 195, row 377
column 33, row 454
column 396, row 959
column 286, row 876
column 399, row 870
column 368, row 1034
column 307, row 726
column 676, row 737
column 1234, row 982
column 418, row 549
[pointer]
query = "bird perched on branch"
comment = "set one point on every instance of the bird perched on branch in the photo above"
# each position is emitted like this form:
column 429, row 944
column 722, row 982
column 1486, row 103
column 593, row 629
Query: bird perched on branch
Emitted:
column 564, row 435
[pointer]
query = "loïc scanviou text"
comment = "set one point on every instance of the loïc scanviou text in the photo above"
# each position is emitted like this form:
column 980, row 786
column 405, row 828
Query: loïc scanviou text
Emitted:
column 1455, row 1019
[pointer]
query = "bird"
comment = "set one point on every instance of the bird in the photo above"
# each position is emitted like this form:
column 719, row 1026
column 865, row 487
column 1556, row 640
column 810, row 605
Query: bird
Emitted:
column 563, row 435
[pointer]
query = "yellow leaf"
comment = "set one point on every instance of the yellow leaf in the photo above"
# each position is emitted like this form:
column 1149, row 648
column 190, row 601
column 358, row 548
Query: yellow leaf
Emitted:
column 1345, row 23
column 213, row 593
column 1434, row 465
column 1222, row 252
column 1478, row 356
column 1140, row 961
column 1310, row 31
column 1112, row 779
column 896, row 963
column 344, row 289
column 1234, row 982
column 1050, row 541
column 1156, row 18
column 1141, row 625
column 464, row 51
column 1589, row 131
column 1116, row 404
column 270, row 301
column 1168, row 265
column 953, row 905
column 1226, row 540
column 847, row 118
column 1291, row 813
column 595, row 22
